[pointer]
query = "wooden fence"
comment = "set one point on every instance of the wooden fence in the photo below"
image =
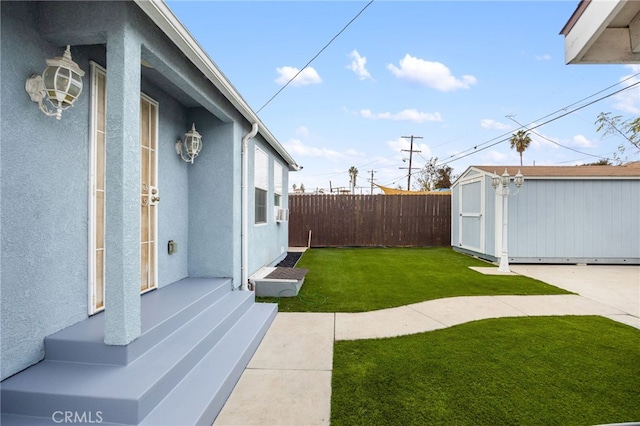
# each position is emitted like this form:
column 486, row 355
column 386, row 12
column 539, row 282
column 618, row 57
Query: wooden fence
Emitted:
column 370, row 220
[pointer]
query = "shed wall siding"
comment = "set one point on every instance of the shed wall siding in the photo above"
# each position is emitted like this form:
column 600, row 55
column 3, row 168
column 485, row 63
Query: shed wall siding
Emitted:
column 575, row 219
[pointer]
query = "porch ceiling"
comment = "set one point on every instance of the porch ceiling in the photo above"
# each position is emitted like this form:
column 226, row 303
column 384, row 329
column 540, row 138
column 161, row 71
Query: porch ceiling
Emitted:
column 157, row 78
column 603, row 31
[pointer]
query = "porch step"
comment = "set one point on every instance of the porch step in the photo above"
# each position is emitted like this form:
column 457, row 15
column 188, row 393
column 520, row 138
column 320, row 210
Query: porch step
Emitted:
column 189, row 403
column 162, row 312
column 186, row 364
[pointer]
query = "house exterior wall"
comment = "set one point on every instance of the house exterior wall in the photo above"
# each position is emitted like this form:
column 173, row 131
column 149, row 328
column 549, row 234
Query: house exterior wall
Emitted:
column 214, row 210
column 44, row 198
column 583, row 221
column 44, row 174
column 268, row 242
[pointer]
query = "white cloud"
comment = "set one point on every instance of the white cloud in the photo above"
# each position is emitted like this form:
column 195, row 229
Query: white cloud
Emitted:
column 297, row 148
column 488, row 123
column 545, row 57
column 582, row 142
column 404, row 115
column 306, row 77
column 431, row 74
column 497, row 157
column 629, row 100
column 302, row 131
column 358, row 65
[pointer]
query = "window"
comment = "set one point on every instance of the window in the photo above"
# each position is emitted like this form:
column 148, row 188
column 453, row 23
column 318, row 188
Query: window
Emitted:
column 261, row 205
column 261, row 183
column 277, row 184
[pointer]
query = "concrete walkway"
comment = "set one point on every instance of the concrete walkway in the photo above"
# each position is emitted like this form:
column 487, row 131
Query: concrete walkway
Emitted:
column 288, row 381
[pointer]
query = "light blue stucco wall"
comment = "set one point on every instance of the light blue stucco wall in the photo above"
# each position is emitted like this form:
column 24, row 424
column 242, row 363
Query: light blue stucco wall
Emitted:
column 44, row 172
column 214, row 194
column 268, row 242
column 44, row 198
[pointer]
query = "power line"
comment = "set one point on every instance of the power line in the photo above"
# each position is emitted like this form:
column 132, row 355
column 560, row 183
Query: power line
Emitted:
column 554, row 142
column 475, row 148
column 316, row 55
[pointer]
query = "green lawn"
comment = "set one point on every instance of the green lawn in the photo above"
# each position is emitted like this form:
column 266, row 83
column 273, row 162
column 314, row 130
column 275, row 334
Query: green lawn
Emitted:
column 367, row 279
column 507, row 371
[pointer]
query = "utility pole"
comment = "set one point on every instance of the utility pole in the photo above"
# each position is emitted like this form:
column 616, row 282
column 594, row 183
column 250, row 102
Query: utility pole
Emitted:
column 371, row 180
column 410, row 151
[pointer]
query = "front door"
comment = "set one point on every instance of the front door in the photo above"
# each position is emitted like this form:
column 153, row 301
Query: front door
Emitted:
column 149, row 195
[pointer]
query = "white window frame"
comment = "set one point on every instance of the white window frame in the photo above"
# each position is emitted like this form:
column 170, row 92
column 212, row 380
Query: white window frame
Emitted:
column 261, row 181
column 277, row 184
column 93, row 125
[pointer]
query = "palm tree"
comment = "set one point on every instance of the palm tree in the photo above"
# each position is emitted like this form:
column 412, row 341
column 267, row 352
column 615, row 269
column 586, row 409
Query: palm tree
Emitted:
column 353, row 172
column 520, row 140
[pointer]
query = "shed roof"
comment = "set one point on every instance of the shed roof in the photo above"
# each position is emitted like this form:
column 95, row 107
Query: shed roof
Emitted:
column 628, row 171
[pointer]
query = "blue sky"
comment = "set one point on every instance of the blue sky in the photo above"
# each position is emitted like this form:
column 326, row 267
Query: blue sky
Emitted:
column 451, row 72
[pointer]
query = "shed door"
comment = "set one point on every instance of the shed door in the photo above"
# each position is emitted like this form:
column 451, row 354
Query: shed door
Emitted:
column 471, row 223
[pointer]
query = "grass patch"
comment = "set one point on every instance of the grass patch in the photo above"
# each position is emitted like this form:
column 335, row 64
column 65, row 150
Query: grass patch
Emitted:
column 508, row 371
column 367, row 279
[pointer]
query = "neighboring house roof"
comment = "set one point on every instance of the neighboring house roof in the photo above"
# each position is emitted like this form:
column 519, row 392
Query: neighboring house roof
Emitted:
column 630, row 171
column 165, row 19
column 603, row 31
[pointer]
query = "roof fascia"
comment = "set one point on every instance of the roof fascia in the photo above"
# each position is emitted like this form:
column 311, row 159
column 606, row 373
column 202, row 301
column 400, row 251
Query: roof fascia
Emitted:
column 164, row 18
column 589, row 26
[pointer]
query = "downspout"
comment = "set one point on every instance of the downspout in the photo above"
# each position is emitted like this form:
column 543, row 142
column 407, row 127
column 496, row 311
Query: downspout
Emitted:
column 245, row 203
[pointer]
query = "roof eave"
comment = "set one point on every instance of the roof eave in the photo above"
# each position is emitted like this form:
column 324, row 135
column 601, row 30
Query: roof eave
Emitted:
column 165, row 19
column 591, row 39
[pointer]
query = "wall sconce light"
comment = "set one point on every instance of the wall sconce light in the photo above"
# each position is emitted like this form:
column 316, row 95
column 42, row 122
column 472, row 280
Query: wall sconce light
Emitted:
column 190, row 148
column 60, row 84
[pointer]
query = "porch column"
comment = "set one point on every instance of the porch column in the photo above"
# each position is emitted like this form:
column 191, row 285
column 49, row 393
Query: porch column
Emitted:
column 122, row 304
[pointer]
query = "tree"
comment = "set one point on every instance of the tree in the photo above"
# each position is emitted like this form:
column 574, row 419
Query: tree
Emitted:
column 520, row 140
column 353, row 173
column 628, row 129
column 603, row 162
column 432, row 176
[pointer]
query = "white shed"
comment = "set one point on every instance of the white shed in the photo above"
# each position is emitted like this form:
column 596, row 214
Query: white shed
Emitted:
column 573, row 214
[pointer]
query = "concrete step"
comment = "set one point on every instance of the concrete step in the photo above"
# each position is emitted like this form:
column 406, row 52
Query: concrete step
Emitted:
column 162, row 312
column 198, row 398
column 224, row 328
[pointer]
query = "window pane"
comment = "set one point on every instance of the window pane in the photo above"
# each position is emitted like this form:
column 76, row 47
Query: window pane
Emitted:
column 261, row 205
column 277, row 179
column 261, row 177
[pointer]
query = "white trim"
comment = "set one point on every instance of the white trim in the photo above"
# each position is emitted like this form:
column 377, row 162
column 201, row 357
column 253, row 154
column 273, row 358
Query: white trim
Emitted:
column 156, row 104
column 91, row 252
column 481, row 214
column 589, row 27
